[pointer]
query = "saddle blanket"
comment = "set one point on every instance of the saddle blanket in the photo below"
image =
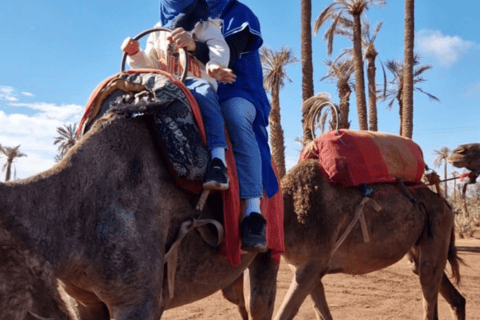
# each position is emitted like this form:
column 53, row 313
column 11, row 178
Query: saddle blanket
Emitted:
column 351, row 158
column 185, row 143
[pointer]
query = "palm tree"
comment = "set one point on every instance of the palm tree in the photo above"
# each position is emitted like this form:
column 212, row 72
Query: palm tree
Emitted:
column 442, row 156
column 66, row 139
column 370, row 54
column 407, row 123
column 11, row 154
column 341, row 72
column 306, row 47
column 337, row 11
column 274, row 70
column 395, row 92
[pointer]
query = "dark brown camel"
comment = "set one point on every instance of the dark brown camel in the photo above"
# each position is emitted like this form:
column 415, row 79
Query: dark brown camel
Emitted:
column 103, row 219
column 28, row 289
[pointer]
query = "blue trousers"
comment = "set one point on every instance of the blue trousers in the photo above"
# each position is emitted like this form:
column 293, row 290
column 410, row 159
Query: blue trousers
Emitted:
column 239, row 115
column 212, row 117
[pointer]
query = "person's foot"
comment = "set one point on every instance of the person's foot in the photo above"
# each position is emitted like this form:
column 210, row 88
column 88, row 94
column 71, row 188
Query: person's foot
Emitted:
column 216, row 177
column 253, row 233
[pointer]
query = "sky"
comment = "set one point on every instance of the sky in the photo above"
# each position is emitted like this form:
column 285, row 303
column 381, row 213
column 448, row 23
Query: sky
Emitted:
column 53, row 53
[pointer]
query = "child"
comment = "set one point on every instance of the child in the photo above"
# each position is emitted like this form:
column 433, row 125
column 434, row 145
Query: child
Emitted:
column 191, row 29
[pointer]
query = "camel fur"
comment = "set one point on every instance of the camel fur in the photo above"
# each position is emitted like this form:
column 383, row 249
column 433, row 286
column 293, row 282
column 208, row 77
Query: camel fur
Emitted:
column 28, row 289
column 105, row 216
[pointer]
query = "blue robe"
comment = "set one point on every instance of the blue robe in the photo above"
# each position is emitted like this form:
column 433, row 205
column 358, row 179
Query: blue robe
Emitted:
column 237, row 17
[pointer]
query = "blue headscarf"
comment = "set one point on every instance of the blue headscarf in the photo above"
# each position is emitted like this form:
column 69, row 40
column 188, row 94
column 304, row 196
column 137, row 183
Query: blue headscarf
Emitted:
column 182, row 13
column 218, row 7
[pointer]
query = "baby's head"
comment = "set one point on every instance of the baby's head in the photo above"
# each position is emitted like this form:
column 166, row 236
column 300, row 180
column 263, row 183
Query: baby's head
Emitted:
column 183, row 13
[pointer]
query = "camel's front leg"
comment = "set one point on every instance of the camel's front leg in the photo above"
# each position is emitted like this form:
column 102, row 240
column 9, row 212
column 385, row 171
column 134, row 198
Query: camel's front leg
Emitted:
column 321, row 307
column 234, row 294
column 261, row 287
column 304, row 280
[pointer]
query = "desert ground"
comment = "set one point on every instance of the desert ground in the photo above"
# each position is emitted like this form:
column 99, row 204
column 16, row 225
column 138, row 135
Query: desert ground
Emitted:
column 391, row 293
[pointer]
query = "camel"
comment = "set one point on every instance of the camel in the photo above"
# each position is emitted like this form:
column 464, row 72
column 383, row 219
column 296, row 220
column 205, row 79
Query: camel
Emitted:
column 466, row 156
column 317, row 214
column 104, row 218
column 321, row 239
column 28, row 289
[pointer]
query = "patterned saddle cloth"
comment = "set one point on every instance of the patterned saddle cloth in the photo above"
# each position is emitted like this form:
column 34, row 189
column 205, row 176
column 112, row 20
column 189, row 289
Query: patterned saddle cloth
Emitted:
column 179, row 125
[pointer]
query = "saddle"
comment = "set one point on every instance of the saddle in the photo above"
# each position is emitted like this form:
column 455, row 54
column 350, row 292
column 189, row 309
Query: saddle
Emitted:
column 182, row 138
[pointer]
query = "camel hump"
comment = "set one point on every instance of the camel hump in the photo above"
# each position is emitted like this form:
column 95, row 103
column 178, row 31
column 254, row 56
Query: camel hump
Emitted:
column 176, row 116
column 351, row 158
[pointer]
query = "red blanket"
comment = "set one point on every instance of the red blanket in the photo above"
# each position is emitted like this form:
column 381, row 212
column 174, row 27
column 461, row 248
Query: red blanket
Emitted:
column 350, row 158
column 272, row 209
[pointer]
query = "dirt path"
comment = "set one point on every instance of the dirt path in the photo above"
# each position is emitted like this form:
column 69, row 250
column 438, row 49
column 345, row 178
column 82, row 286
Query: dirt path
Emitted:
column 392, row 293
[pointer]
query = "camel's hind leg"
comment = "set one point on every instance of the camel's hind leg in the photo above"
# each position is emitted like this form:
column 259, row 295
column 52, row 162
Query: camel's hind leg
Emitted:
column 429, row 259
column 321, row 307
column 453, row 298
column 447, row 290
column 305, row 278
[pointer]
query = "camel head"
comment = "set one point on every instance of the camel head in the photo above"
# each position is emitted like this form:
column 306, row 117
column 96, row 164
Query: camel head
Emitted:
column 466, row 156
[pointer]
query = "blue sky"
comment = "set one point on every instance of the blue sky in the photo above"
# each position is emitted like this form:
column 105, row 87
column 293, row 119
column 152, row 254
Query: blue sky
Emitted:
column 53, row 53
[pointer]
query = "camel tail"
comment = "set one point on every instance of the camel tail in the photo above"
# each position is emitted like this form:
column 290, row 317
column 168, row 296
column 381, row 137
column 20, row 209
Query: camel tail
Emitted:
column 454, row 259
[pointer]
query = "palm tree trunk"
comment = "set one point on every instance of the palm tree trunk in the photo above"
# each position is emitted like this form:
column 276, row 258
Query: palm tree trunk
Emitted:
column 400, row 106
column 359, row 74
column 407, row 124
column 344, row 106
column 445, row 177
column 276, row 132
column 306, row 47
column 372, row 93
column 8, row 170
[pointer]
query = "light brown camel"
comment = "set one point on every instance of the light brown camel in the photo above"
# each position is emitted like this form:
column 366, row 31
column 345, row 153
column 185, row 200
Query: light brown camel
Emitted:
column 317, row 214
column 28, row 289
column 103, row 219
column 466, row 156
column 417, row 223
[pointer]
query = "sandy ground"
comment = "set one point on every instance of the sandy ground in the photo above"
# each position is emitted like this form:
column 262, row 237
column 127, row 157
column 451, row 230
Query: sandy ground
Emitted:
column 391, row 293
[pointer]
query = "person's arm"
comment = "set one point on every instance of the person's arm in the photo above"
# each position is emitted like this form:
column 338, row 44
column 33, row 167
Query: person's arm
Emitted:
column 145, row 59
column 237, row 43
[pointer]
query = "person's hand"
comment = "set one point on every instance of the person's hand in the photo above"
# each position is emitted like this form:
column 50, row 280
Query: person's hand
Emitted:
column 224, row 75
column 130, row 46
column 182, row 39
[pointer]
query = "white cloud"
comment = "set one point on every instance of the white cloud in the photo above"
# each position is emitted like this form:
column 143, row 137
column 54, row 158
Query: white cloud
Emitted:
column 7, row 94
column 27, row 94
column 34, row 132
column 446, row 49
